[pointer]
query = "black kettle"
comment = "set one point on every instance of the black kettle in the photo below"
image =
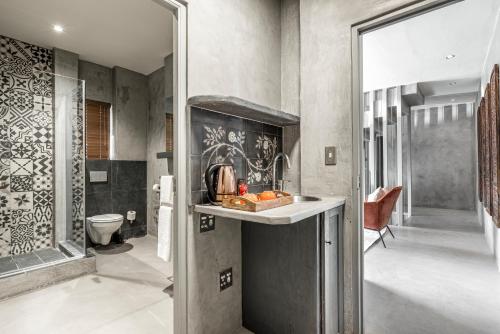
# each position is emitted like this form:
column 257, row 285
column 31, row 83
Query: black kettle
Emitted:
column 221, row 182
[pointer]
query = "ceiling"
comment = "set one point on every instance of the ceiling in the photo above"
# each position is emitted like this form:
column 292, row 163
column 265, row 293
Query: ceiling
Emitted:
column 414, row 50
column 134, row 34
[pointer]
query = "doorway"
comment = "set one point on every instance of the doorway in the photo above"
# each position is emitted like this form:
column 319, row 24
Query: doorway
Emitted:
column 406, row 114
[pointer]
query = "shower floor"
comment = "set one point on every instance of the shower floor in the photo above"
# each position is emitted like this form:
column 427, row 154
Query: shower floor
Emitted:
column 13, row 264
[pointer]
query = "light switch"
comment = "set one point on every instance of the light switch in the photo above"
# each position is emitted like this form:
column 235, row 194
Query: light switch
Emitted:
column 330, row 155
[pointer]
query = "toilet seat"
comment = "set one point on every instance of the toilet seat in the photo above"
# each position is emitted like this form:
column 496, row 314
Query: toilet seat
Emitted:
column 106, row 218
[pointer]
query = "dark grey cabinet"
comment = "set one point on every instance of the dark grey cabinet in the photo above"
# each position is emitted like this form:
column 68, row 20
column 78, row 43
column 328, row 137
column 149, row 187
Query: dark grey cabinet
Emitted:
column 291, row 275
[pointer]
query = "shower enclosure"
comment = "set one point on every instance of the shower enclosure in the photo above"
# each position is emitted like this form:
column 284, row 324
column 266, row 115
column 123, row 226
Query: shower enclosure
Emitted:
column 42, row 161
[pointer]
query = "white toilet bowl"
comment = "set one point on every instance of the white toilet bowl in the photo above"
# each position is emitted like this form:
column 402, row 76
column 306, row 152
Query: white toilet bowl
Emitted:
column 100, row 228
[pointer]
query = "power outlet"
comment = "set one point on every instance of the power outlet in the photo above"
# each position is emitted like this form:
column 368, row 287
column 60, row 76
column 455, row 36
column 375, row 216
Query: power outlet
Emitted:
column 207, row 223
column 226, row 279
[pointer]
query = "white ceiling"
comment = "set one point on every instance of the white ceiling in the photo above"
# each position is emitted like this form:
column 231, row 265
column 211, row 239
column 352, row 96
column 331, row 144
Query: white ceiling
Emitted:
column 134, row 34
column 414, row 50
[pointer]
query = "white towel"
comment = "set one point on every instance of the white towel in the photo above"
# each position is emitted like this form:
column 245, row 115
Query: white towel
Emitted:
column 166, row 189
column 164, row 232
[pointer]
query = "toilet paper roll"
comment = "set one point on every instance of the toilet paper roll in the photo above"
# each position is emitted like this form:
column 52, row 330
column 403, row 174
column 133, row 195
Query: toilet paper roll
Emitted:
column 131, row 215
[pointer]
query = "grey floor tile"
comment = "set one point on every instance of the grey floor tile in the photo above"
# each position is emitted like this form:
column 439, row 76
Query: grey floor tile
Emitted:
column 50, row 255
column 7, row 265
column 27, row 260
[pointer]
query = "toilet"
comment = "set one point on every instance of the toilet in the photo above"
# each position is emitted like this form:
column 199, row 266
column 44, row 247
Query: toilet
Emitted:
column 100, row 228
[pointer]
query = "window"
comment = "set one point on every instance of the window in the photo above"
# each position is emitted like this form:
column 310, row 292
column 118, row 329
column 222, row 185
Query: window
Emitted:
column 97, row 130
column 169, row 133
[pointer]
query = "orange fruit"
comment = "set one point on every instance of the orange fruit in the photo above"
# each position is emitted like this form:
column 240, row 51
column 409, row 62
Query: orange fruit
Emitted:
column 267, row 195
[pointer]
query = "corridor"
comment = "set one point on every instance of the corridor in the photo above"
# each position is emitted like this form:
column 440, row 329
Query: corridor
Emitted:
column 437, row 276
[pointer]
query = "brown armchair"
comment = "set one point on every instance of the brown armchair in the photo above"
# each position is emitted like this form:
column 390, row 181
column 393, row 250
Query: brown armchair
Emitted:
column 377, row 213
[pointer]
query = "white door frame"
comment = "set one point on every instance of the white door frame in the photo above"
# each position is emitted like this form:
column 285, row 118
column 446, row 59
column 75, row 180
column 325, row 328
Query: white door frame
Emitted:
column 398, row 14
column 179, row 9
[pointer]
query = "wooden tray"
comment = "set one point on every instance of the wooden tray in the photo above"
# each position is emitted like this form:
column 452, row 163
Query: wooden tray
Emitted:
column 244, row 204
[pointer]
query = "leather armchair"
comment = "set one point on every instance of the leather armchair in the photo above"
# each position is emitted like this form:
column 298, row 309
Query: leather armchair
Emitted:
column 377, row 214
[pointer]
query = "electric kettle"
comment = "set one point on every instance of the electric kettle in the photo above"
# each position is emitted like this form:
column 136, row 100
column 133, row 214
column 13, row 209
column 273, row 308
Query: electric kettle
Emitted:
column 221, row 182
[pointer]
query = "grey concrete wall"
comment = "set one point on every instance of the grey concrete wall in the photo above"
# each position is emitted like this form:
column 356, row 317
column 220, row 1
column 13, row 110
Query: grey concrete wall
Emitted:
column 290, row 87
column 234, row 49
column 239, row 55
column 98, row 81
column 325, row 28
column 130, row 115
column 443, row 164
column 160, row 87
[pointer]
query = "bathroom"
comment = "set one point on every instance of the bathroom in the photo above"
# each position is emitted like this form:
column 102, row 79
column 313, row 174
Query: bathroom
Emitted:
column 68, row 209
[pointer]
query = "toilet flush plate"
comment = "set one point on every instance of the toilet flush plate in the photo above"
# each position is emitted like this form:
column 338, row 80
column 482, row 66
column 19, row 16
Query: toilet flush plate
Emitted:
column 98, row 176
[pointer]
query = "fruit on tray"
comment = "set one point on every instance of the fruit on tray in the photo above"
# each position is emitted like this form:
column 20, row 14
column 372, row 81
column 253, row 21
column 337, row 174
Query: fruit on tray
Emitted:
column 267, row 195
column 251, row 197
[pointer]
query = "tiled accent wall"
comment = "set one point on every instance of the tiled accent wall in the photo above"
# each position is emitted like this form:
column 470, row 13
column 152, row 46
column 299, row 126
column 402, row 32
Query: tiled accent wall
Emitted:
column 250, row 146
column 124, row 191
column 26, row 147
column 78, row 172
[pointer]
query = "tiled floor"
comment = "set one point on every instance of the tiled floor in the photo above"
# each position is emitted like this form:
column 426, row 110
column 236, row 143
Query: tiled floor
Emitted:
column 11, row 264
column 437, row 276
column 124, row 296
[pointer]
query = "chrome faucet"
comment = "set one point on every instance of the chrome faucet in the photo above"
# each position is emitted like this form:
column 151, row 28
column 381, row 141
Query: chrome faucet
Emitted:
column 288, row 166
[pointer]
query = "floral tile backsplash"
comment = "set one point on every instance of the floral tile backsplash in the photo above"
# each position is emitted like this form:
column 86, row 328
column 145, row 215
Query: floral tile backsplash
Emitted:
column 250, row 146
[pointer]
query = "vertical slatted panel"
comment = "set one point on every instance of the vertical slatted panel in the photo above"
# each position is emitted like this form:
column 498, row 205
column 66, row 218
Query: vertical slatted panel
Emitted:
column 494, row 117
column 97, row 130
column 169, row 135
column 479, row 139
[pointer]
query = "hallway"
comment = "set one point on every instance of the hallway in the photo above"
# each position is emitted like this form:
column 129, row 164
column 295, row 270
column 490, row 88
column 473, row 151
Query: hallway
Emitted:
column 437, row 276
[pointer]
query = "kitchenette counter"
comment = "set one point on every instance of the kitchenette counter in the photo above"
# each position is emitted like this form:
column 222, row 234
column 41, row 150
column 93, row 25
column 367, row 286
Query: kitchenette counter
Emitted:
column 287, row 214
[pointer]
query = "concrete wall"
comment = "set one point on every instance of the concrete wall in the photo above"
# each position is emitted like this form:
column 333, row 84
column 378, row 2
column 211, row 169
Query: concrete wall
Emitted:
column 130, row 115
column 290, row 87
column 98, row 81
column 325, row 31
column 160, row 87
column 443, row 163
column 239, row 54
column 492, row 233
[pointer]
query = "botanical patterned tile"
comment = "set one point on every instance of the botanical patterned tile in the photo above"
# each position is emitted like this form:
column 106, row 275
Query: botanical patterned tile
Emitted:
column 4, row 241
column 43, row 234
column 42, row 182
column 21, row 200
column 21, row 183
column 22, row 238
column 21, row 167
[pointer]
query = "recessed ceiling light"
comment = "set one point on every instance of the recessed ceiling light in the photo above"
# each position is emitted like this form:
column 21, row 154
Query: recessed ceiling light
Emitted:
column 453, row 83
column 450, row 56
column 452, row 100
column 58, row 28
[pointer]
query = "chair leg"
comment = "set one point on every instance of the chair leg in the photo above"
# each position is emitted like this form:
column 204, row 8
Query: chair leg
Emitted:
column 382, row 238
column 390, row 231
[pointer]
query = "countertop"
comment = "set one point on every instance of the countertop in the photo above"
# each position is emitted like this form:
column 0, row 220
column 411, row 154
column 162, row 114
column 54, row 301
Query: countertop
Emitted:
column 287, row 214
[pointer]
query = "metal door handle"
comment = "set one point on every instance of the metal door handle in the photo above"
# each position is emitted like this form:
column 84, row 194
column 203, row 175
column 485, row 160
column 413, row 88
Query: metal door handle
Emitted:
column 328, row 242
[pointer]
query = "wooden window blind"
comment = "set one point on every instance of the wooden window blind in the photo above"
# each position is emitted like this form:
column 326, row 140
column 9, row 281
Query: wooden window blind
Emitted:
column 169, row 135
column 97, row 130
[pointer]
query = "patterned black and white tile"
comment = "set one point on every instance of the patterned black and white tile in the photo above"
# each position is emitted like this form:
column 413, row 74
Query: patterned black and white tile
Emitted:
column 26, row 147
column 250, row 146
